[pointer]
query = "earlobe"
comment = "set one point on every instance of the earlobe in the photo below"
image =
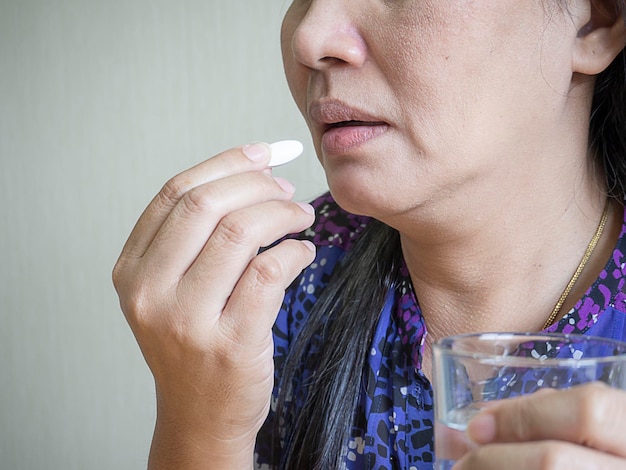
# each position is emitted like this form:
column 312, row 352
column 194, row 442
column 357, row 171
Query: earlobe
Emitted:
column 599, row 41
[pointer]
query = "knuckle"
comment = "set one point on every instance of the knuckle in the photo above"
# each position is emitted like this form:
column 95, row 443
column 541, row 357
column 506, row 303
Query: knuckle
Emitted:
column 198, row 200
column 125, row 268
column 135, row 295
column 134, row 304
column 235, row 229
column 172, row 191
column 267, row 270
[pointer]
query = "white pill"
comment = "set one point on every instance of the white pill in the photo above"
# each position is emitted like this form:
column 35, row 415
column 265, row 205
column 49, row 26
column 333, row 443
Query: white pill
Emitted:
column 284, row 151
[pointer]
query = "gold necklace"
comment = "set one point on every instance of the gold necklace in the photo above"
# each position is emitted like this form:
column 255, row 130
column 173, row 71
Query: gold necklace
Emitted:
column 579, row 269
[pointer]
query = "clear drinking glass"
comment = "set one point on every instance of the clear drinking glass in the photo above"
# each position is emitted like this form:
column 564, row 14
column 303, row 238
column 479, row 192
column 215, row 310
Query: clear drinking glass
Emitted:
column 470, row 370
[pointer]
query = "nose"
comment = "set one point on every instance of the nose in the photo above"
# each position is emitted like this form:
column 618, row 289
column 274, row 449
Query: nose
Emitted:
column 327, row 33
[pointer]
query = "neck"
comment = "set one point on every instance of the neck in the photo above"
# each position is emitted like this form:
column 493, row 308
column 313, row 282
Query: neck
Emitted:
column 493, row 270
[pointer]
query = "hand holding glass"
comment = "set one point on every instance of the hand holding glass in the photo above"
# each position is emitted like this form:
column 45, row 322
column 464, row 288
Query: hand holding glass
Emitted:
column 470, row 371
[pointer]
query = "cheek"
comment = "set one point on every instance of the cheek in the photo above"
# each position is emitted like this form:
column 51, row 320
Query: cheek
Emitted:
column 454, row 73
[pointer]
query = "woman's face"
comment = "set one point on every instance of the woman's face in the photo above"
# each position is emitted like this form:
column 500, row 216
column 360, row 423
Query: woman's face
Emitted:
column 417, row 101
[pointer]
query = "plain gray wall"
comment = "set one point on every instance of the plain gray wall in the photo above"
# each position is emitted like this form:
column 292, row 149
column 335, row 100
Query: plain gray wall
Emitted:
column 101, row 101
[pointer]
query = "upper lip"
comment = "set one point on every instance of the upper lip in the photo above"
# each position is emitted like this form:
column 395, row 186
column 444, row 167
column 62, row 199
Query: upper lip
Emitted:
column 331, row 113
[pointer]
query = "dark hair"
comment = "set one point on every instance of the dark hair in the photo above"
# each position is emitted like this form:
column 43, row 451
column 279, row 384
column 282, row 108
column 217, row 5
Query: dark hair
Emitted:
column 338, row 332
column 607, row 129
column 333, row 343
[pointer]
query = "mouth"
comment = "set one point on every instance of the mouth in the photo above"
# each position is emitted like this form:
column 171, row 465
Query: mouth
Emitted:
column 344, row 127
column 354, row 123
column 347, row 136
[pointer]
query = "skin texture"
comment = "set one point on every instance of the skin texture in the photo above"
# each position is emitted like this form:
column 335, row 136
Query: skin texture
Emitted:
column 481, row 115
column 483, row 119
column 442, row 75
column 201, row 303
column 460, row 108
column 580, row 428
column 471, row 115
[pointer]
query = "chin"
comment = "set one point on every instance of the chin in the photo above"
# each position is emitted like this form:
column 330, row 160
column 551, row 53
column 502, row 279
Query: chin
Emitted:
column 363, row 186
column 364, row 201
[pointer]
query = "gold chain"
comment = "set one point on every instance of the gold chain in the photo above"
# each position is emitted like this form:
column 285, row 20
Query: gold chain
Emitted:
column 579, row 269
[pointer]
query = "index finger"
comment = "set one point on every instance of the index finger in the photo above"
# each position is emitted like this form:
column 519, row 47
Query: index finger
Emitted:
column 253, row 157
column 591, row 415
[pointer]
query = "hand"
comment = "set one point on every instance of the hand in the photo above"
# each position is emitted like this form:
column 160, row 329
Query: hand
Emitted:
column 580, row 428
column 201, row 302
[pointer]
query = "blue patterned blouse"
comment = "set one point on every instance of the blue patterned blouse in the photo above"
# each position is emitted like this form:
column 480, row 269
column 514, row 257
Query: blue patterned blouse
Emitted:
column 395, row 426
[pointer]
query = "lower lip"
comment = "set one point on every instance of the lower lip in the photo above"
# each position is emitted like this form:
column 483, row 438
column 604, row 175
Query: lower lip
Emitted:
column 343, row 139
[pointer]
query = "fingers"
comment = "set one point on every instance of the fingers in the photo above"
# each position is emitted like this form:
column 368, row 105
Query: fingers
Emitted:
column 262, row 289
column 592, row 415
column 201, row 234
column 232, row 249
column 231, row 162
column 185, row 231
column 200, row 299
column 546, row 455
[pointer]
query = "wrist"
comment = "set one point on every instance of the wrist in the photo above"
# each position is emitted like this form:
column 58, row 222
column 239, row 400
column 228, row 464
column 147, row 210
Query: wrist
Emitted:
column 185, row 446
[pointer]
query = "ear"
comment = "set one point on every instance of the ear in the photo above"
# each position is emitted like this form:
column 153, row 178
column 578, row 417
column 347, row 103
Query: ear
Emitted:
column 601, row 39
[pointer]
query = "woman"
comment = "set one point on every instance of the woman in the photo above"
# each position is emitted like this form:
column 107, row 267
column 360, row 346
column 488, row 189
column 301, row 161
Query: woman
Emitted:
column 475, row 154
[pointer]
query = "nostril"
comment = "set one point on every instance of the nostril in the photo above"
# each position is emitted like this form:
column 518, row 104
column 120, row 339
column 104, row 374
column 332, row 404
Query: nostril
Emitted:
column 326, row 36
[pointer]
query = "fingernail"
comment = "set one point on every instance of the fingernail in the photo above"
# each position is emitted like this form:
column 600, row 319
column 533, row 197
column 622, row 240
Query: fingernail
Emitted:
column 285, row 185
column 308, row 208
column 482, row 428
column 257, row 152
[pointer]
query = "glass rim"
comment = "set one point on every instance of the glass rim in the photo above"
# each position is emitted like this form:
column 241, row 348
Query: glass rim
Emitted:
column 443, row 346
